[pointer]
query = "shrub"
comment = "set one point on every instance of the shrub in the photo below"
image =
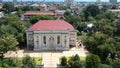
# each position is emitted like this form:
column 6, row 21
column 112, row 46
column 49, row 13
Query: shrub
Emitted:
column 92, row 61
column 28, row 62
column 63, row 61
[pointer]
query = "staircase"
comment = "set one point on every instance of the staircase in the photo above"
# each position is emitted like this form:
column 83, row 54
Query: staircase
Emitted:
column 50, row 60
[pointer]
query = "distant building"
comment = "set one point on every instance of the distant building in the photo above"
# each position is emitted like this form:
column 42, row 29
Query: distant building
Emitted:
column 1, row 14
column 69, row 3
column 46, row 35
column 29, row 14
column 1, row 1
column 114, row 10
column 59, row 14
column 98, row 1
column 15, row 2
column 113, row 1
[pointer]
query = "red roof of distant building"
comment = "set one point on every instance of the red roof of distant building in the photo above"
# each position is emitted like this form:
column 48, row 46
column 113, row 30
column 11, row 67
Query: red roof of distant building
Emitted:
column 51, row 25
column 39, row 13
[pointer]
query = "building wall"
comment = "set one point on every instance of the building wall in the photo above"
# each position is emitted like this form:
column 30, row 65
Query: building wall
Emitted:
column 51, row 40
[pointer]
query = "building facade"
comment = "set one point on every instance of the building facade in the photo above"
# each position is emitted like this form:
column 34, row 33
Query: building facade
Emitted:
column 51, row 35
column 29, row 14
column 69, row 3
column 113, row 1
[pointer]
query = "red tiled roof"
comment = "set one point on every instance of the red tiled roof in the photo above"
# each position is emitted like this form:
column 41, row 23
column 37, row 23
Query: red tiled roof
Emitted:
column 39, row 13
column 51, row 25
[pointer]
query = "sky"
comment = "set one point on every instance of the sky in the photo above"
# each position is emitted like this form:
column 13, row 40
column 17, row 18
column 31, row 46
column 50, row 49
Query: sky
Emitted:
column 63, row 0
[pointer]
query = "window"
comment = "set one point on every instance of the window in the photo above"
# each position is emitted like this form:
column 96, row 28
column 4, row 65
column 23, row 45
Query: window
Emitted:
column 58, row 40
column 65, row 39
column 44, row 39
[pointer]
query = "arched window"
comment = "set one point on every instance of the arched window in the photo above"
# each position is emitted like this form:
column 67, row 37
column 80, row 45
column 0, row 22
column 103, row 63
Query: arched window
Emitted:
column 58, row 40
column 44, row 39
column 65, row 39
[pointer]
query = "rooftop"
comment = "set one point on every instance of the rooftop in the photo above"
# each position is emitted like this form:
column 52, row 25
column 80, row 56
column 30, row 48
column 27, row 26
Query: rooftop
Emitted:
column 51, row 25
column 39, row 13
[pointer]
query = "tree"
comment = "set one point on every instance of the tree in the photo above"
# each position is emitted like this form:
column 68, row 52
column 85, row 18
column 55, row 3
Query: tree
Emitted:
column 17, row 25
column 92, row 61
column 116, row 63
column 63, row 61
column 7, row 42
column 28, row 62
column 34, row 19
column 91, row 10
column 8, row 6
column 75, row 62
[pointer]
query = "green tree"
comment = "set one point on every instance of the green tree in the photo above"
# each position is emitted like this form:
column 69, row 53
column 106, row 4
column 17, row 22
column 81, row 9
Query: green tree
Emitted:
column 92, row 61
column 8, row 6
column 34, row 19
column 116, row 63
column 75, row 62
column 28, row 62
column 17, row 25
column 63, row 61
column 7, row 42
column 91, row 10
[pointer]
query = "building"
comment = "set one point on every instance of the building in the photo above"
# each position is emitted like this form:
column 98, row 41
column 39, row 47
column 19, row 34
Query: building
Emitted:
column 1, row 1
column 15, row 2
column 59, row 14
column 51, row 35
column 1, row 14
column 29, row 14
column 113, row 1
column 114, row 10
column 69, row 3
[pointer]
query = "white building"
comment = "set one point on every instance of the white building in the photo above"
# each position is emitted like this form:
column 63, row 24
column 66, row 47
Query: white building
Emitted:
column 51, row 35
column 69, row 3
column 113, row 1
column 1, row 14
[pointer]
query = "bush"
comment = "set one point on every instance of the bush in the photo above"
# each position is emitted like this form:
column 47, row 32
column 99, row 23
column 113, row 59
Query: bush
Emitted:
column 63, row 61
column 92, row 61
column 75, row 62
column 13, row 62
column 116, row 63
column 104, row 66
column 75, row 58
column 28, row 62
column 5, row 65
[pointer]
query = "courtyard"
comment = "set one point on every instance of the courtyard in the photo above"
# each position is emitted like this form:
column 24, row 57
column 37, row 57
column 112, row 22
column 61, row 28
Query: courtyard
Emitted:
column 50, row 58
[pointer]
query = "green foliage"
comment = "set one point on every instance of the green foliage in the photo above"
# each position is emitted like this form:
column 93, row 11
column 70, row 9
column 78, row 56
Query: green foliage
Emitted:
column 5, row 65
column 34, row 19
column 116, row 63
column 13, row 25
column 20, row 62
column 75, row 62
column 9, row 7
column 75, row 58
column 63, row 61
column 92, row 61
column 91, row 10
column 7, row 42
column 104, row 66
column 28, row 62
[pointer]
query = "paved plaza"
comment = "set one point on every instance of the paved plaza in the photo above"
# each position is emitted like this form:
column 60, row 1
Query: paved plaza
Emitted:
column 50, row 59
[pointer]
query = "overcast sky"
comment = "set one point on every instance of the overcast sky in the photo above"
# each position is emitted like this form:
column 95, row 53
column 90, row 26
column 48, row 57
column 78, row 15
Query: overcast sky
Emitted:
column 63, row 0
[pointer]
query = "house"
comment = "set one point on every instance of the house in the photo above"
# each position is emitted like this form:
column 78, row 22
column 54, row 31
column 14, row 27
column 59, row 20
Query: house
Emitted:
column 51, row 35
column 59, row 13
column 29, row 14
column 114, row 10
column 1, row 14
